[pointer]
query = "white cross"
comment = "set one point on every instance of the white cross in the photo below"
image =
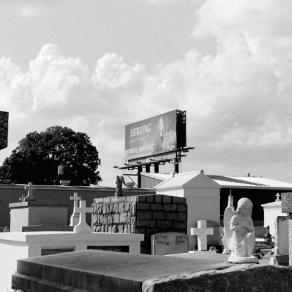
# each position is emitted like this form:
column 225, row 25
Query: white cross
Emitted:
column 278, row 197
column 75, row 198
column 21, row 199
column 202, row 232
column 74, row 219
column 30, row 188
column 82, row 210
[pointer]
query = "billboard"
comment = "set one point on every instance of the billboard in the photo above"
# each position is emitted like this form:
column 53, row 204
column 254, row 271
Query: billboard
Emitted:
column 3, row 129
column 155, row 136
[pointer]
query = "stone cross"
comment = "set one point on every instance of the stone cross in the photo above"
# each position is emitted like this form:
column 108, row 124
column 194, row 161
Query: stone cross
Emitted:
column 21, row 199
column 74, row 219
column 30, row 188
column 82, row 210
column 278, row 197
column 287, row 208
column 202, row 232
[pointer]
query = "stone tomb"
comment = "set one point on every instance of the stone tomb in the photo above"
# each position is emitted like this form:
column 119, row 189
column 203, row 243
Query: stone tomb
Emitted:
column 92, row 271
column 287, row 208
column 169, row 243
column 38, row 215
column 145, row 214
column 271, row 212
column 18, row 245
column 32, row 215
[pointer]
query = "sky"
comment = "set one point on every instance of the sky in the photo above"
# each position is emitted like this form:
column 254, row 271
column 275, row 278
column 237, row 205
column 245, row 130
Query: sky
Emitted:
column 95, row 66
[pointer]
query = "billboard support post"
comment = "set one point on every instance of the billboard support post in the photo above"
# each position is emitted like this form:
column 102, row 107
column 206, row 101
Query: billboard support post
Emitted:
column 156, row 167
column 147, row 168
column 139, row 175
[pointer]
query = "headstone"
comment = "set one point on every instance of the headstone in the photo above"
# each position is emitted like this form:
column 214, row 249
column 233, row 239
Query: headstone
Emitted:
column 281, row 236
column 202, row 232
column 169, row 243
column 82, row 226
column 74, row 219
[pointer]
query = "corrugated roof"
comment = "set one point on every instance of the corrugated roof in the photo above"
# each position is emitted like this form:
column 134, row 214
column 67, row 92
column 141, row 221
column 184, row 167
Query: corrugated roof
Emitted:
column 234, row 181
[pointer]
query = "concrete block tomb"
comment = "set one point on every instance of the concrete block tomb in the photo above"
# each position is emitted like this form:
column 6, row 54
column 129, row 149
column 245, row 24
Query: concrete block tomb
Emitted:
column 148, row 214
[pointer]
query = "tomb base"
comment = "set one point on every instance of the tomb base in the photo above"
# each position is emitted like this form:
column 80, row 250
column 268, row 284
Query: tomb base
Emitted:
column 243, row 260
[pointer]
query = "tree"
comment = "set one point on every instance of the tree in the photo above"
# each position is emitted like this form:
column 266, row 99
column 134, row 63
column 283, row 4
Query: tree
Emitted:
column 38, row 156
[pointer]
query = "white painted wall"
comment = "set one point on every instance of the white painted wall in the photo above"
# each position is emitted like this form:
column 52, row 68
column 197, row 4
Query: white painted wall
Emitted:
column 271, row 212
column 202, row 197
column 10, row 252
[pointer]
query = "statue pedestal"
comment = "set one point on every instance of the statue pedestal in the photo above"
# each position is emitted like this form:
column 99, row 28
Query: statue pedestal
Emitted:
column 243, row 260
column 38, row 213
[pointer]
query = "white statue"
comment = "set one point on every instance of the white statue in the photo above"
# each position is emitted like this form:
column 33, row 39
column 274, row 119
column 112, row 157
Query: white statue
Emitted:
column 240, row 234
column 227, row 233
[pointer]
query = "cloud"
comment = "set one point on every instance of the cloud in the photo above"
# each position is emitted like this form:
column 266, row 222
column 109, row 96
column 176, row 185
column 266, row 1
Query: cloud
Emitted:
column 237, row 100
column 29, row 11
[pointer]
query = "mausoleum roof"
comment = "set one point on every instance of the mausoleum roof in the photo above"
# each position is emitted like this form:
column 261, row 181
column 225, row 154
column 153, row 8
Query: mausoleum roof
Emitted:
column 252, row 182
column 178, row 180
column 192, row 177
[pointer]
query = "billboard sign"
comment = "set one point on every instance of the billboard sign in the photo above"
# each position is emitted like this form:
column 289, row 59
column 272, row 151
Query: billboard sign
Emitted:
column 151, row 137
column 3, row 129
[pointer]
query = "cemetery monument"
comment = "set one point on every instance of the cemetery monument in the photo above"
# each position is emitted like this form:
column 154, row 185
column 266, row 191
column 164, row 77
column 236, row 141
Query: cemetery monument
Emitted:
column 240, row 233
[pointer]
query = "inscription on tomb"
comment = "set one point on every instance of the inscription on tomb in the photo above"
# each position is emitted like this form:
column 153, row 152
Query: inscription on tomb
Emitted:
column 169, row 243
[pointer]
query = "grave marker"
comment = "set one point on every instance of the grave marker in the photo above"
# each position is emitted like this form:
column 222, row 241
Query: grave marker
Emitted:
column 74, row 219
column 169, row 243
column 30, row 188
column 202, row 232
column 82, row 226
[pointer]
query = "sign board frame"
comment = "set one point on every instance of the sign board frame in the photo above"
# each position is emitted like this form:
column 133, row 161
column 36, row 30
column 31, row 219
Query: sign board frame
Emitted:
column 159, row 136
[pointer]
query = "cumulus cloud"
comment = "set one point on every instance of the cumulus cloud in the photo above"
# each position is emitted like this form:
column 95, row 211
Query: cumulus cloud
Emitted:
column 237, row 100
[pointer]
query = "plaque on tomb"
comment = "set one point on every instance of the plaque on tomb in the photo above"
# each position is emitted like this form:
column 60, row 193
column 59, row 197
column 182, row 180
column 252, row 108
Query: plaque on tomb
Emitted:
column 287, row 203
column 169, row 243
column 282, row 235
column 50, row 251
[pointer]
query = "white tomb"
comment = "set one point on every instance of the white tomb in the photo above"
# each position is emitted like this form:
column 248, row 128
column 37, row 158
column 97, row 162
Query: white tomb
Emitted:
column 19, row 245
column 271, row 212
column 202, row 232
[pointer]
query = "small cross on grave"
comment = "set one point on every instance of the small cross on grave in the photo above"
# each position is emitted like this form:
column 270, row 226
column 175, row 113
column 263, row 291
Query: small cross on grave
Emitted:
column 74, row 219
column 278, row 197
column 30, row 188
column 21, row 199
column 82, row 210
column 202, row 232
